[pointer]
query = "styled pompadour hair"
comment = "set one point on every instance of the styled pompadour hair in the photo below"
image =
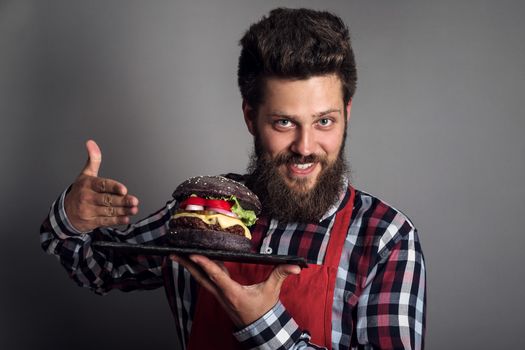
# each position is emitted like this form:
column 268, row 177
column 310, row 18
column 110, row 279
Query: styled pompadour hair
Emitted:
column 295, row 44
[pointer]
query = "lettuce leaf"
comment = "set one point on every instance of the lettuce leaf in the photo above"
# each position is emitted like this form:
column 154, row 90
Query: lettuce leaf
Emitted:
column 247, row 216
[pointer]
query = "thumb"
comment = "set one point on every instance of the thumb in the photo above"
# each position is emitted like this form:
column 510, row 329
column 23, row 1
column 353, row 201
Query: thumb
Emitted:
column 280, row 273
column 94, row 159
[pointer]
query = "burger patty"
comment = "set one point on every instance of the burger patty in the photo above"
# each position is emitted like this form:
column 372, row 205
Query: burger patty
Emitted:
column 198, row 224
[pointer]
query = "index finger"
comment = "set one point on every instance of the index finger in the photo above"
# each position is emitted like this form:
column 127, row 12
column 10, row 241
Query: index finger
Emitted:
column 218, row 274
column 102, row 185
column 197, row 273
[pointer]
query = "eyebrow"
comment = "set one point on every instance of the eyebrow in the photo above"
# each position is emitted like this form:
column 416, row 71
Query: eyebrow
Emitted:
column 316, row 115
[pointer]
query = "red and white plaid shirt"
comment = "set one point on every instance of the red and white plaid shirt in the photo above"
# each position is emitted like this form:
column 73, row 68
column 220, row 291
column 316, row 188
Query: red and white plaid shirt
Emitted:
column 379, row 298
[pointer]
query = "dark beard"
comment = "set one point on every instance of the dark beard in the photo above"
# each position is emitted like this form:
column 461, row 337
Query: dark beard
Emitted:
column 288, row 204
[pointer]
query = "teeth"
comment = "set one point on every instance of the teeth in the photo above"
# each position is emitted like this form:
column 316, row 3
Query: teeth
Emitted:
column 304, row 166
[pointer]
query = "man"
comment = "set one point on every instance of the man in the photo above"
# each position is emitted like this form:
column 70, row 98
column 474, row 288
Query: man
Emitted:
column 365, row 284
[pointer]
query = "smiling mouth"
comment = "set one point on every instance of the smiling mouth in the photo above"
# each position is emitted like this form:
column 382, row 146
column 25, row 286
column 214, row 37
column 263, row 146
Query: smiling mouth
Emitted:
column 301, row 169
column 303, row 166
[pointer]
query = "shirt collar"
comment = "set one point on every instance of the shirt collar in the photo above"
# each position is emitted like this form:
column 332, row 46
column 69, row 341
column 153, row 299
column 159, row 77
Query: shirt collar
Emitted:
column 334, row 207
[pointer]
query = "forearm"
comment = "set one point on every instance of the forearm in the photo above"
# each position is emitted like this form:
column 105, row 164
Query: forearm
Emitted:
column 103, row 270
column 275, row 330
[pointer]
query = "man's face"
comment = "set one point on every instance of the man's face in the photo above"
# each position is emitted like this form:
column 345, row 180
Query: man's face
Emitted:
column 299, row 132
column 305, row 118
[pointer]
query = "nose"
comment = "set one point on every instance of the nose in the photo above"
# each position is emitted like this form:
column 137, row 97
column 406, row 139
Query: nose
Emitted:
column 303, row 143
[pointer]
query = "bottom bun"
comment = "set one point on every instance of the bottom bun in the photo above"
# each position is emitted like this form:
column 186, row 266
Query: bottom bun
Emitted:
column 215, row 240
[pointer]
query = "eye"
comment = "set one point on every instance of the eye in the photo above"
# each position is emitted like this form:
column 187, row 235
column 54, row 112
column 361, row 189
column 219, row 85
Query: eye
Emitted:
column 324, row 122
column 283, row 123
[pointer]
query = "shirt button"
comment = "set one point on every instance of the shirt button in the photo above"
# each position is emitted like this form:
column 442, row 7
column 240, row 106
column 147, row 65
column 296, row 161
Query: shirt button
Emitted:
column 268, row 250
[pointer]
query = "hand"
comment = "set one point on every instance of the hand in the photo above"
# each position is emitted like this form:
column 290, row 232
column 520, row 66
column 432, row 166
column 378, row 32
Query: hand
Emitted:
column 244, row 304
column 97, row 202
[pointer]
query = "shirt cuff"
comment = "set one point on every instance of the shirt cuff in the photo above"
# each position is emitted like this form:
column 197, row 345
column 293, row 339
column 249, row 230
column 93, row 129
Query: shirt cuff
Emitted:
column 274, row 330
column 59, row 220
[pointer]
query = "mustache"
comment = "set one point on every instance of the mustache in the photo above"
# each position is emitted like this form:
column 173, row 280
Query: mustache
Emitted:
column 293, row 158
column 301, row 204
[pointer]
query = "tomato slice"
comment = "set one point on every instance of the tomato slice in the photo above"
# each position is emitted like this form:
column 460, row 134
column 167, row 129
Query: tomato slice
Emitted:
column 218, row 204
column 195, row 201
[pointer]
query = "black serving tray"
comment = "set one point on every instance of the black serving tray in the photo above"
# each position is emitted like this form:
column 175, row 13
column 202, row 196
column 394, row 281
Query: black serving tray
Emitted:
column 251, row 258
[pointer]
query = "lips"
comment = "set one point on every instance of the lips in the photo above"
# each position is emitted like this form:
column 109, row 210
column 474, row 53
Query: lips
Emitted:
column 301, row 169
column 298, row 166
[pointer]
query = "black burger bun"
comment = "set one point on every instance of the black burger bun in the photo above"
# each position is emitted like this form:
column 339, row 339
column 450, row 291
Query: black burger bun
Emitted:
column 218, row 186
column 209, row 239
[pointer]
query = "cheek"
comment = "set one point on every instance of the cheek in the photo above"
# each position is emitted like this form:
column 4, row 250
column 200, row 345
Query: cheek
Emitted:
column 332, row 145
column 273, row 143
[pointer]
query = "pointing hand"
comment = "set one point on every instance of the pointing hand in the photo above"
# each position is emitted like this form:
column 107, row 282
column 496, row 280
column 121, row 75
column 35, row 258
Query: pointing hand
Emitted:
column 98, row 202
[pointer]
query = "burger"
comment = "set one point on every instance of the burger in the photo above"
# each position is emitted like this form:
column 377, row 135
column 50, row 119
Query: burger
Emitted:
column 214, row 212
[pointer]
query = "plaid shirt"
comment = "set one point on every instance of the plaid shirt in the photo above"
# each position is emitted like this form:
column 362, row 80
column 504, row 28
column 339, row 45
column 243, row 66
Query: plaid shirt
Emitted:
column 379, row 297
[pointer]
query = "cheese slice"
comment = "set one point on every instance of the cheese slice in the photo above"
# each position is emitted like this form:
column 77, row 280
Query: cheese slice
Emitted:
column 224, row 221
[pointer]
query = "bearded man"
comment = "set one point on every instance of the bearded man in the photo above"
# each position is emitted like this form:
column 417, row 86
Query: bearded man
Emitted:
column 365, row 282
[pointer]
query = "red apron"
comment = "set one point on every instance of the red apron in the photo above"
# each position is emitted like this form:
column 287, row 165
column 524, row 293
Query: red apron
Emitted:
column 308, row 297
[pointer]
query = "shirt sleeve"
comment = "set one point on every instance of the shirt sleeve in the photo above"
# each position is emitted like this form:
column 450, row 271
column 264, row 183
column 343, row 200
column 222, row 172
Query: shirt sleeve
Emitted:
column 391, row 307
column 274, row 330
column 104, row 270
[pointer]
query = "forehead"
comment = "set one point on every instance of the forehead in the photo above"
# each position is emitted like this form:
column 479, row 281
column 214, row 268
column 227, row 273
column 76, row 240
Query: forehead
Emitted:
column 309, row 95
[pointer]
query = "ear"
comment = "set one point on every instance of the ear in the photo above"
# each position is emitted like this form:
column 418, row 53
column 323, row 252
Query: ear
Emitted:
column 249, row 116
column 348, row 110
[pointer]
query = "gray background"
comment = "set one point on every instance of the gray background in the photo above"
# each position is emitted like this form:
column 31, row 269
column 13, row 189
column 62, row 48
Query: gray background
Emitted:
column 436, row 131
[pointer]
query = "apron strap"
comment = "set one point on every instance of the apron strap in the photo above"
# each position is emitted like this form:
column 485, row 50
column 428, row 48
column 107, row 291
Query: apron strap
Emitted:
column 339, row 232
